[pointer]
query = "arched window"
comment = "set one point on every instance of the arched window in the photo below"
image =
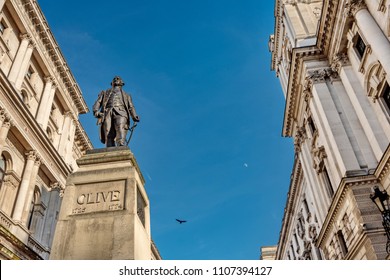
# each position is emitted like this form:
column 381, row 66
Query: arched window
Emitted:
column 25, row 98
column 34, row 204
column 3, row 168
column 49, row 133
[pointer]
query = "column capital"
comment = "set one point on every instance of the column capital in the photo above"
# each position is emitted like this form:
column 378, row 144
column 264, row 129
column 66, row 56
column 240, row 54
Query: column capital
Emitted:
column 354, row 6
column 38, row 161
column 54, row 85
column 7, row 123
column 70, row 115
column 25, row 36
column 31, row 45
column 3, row 116
column 48, row 79
column 31, row 155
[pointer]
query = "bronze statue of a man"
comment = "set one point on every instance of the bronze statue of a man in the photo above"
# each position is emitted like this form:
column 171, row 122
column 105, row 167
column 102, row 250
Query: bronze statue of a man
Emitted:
column 113, row 108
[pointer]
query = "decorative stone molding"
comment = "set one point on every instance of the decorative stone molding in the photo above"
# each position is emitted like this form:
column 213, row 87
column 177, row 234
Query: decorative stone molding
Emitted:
column 25, row 36
column 376, row 77
column 47, row 43
column 295, row 2
column 334, row 208
column 312, row 230
column 382, row 6
column 307, row 93
column 317, row 12
column 11, row 181
column 299, row 138
column 346, row 226
column 319, row 155
column 321, row 75
column 306, row 254
column 37, row 247
column 5, row 221
column 307, row 89
column 354, row 6
column 338, row 61
column 301, row 225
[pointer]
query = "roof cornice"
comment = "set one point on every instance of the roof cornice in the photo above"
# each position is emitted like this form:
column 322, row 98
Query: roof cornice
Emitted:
column 50, row 49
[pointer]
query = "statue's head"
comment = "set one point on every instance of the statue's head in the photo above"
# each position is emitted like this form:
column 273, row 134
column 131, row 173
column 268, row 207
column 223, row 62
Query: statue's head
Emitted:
column 117, row 81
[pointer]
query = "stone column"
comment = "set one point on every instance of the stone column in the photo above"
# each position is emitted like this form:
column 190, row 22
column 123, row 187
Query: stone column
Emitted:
column 46, row 117
column 17, row 63
column 24, row 184
column 336, row 138
column 65, row 132
column 24, row 65
column 31, row 188
column 43, row 104
column 378, row 42
column 361, row 104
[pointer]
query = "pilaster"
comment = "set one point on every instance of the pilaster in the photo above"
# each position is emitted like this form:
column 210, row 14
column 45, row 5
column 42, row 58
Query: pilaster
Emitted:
column 30, row 191
column 48, row 105
column 43, row 104
column 24, row 65
column 17, row 63
column 24, row 185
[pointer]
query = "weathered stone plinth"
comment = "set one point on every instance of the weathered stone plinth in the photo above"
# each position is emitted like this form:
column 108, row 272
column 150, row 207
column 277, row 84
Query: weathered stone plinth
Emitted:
column 105, row 211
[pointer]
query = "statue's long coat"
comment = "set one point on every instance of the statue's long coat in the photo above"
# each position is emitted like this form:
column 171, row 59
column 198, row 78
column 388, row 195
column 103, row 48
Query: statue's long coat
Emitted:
column 100, row 106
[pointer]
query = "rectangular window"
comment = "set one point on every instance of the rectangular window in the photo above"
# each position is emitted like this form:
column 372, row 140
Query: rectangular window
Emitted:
column 360, row 46
column 386, row 95
column 311, row 125
column 306, row 206
column 342, row 243
column 327, row 182
column 2, row 27
column 29, row 73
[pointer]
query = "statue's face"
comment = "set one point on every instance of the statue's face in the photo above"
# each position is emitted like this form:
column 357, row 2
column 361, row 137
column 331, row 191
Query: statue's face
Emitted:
column 117, row 81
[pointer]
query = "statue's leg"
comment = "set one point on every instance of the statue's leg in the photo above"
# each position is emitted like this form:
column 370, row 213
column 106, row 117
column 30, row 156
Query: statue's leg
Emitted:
column 120, row 129
column 111, row 138
column 109, row 129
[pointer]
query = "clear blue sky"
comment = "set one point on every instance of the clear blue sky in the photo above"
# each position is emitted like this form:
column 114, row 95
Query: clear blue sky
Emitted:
column 209, row 142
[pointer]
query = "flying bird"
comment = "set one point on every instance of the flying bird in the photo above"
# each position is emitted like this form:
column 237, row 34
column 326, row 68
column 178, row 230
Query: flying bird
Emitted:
column 245, row 164
column 181, row 221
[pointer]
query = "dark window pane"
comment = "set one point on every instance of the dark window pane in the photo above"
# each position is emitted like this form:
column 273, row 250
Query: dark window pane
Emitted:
column 311, row 125
column 360, row 46
column 2, row 169
column 386, row 95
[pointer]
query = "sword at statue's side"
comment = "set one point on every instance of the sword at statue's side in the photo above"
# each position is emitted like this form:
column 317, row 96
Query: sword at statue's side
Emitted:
column 131, row 133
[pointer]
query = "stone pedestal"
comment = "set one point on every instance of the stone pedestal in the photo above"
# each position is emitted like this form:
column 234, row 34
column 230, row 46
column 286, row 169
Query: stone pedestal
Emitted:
column 105, row 210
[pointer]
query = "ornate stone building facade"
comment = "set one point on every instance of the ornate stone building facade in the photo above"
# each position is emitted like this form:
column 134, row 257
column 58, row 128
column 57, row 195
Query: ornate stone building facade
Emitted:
column 40, row 134
column 332, row 58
